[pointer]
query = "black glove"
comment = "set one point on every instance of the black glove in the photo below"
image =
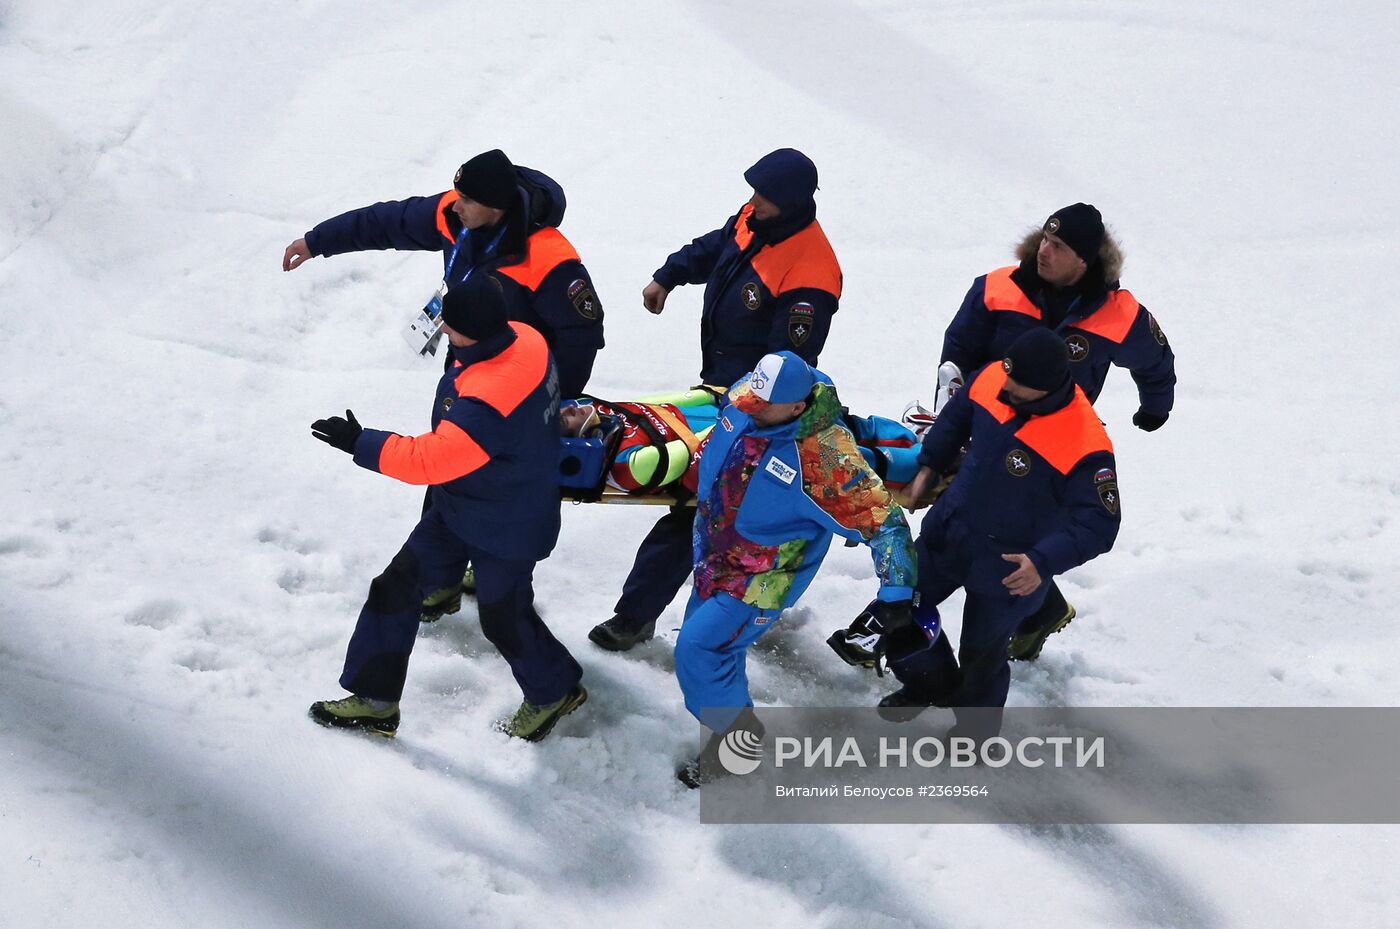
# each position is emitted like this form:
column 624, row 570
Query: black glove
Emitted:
column 1149, row 422
column 876, row 622
column 337, row 432
column 884, row 617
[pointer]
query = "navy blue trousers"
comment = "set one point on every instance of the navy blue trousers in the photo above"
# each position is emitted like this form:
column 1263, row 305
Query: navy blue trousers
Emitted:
column 664, row 561
column 980, row 674
column 376, row 661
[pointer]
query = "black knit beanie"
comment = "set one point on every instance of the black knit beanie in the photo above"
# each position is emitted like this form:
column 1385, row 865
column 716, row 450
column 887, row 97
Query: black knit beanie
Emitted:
column 1037, row 359
column 1080, row 227
column 476, row 308
column 489, row 179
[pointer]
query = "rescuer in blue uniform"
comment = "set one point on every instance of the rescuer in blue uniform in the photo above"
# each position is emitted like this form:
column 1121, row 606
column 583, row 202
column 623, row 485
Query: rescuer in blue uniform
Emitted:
column 1036, row 495
column 772, row 283
column 1067, row 282
column 490, row 463
column 498, row 218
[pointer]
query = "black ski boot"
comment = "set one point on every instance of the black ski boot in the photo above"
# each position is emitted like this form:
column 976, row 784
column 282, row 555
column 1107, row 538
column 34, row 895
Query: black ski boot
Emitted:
column 745, row 736
column 904, row 704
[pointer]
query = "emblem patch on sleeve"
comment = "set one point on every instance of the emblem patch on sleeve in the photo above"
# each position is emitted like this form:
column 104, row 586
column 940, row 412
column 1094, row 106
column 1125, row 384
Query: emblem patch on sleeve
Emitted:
column 751, row 297
column 781, row 471
column 582, row 297
column 1078, row 347
column 1018, row 462
column 1108, row 495
column 1157, row 332
column 801, row 322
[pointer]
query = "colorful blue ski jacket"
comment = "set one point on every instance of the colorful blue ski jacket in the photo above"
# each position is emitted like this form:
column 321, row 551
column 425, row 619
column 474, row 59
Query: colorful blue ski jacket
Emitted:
column 769, row 501
column 545, row 283
column 1102, row 325
column 493, row 453
column 1043, row 486
column 765, row 291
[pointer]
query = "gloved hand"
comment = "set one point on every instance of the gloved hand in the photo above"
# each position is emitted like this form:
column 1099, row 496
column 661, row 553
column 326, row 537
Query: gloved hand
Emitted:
column 1149, row 422
column 863, row 643
column 337, row 432
column 882, row 617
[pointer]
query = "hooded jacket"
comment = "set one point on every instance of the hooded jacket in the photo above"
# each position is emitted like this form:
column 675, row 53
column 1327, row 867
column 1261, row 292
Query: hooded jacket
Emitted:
column 1101, row 324
column 492, row 453
column 545, row 283
column 768, row 288
column 1043, row 485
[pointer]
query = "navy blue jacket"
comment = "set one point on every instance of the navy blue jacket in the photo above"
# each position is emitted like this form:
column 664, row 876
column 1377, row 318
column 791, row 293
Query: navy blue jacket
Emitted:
column 1045, row 486
column 545, row 284
column 1103, row 325
column 493, row 453
column 766, row 290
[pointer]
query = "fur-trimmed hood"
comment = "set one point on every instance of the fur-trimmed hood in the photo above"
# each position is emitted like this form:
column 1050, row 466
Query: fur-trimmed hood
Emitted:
column 1110, row 255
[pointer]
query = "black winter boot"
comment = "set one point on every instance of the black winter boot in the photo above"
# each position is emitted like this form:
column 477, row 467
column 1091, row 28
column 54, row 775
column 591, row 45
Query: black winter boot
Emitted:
column 620, row 634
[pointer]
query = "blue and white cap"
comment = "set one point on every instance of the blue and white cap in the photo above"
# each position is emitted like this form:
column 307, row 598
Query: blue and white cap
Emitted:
column 781, row 377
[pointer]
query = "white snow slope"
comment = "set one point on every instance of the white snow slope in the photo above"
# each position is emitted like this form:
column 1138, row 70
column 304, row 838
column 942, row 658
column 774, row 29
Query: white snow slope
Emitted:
column 181, row 564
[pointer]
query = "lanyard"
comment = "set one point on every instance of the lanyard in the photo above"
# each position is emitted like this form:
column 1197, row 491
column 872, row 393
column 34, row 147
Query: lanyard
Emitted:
column 452, row 259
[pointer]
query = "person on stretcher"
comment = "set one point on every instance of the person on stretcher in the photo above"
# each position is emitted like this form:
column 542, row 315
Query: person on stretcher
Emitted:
column 653, row 446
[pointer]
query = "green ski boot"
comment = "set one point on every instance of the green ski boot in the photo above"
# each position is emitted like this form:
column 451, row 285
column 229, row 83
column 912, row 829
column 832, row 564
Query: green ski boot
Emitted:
column 449, row 599
column 1026, row 646
column 357, row 713
column 532, row 723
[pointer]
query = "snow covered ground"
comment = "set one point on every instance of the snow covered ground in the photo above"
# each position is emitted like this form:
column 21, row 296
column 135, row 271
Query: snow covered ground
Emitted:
column 180, row 563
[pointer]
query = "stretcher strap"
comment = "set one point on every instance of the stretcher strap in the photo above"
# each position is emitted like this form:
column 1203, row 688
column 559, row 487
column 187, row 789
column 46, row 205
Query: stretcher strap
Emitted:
column 653, row 437
column 679, row 426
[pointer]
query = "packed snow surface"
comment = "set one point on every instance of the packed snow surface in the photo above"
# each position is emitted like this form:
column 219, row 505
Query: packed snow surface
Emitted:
column 181, row 564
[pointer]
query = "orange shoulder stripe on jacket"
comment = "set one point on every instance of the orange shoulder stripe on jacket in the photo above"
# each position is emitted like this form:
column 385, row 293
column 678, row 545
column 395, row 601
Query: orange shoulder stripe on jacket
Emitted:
column 1066, row 436
column 984, row 390
column 444, row 202
column 803, row 260
column 437, row 457
column 1001, row 293
column 544, row 251
column 1113, row 319
column 505, row 381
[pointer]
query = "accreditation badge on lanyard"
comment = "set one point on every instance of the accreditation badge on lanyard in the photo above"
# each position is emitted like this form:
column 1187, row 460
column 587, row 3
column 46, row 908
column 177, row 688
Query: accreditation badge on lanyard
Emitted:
column 425, row 331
